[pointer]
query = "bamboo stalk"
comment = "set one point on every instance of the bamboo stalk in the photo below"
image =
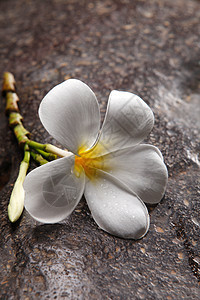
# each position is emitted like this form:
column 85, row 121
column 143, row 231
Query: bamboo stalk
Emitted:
column 21, row 134
column 12, row 109
column 41, row 153
column 15, row 119
column 11, row 102
column 8, row 83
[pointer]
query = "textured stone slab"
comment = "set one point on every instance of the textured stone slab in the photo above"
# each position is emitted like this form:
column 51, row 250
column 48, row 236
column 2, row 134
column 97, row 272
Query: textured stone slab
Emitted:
column 147, row 47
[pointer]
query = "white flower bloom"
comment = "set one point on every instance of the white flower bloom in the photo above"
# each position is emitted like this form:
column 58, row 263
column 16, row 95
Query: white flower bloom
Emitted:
column 115, row 172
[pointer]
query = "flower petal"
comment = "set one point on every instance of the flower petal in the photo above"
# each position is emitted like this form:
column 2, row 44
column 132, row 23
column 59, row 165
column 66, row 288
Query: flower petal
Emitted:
column 52, row 191
column 127, row 122
column 142, row 169
column 115, row 208
column 70, row 113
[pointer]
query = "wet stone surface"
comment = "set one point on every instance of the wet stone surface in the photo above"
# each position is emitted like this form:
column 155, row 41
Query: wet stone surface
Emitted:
column 149, row 48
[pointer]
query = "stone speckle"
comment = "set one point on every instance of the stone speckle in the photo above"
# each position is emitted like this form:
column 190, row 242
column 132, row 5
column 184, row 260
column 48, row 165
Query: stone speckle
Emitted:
column 151, row 49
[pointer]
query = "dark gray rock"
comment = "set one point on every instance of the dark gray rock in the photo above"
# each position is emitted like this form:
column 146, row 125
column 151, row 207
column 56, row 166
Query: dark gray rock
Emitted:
column 147, row 47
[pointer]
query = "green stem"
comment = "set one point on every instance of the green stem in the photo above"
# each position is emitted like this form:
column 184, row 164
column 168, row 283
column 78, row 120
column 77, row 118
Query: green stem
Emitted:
column 55, row 150
column 48, row 148
column 35, row 145
column 46, row 155
column 16, row 204
column 38, row 158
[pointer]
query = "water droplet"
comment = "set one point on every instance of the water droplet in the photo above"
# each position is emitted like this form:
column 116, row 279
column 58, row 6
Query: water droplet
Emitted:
column 195, row 221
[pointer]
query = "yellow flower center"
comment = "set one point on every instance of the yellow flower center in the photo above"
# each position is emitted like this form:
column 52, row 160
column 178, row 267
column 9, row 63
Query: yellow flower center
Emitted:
column 89, row 162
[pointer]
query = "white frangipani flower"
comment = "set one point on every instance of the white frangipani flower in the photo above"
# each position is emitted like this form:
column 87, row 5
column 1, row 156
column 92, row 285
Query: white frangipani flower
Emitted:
column 115, row 172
